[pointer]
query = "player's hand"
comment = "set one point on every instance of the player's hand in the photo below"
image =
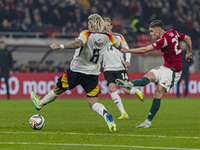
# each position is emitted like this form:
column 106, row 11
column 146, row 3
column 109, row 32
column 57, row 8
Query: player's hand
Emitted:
column 127, row 64
column 54, row 46
column 124, row 50
column 188, row 56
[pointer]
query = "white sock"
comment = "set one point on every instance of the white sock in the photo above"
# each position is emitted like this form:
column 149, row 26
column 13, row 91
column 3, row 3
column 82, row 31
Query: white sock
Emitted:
column 118, row 102
column 133, row 91
column 50, row 97
column 100, row 109
column 147, row 121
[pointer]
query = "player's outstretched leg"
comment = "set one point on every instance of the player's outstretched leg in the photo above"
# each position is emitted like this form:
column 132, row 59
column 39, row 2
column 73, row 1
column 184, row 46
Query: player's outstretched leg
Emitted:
column 145, row 124
column 101, row 110
column 36, row 100
column 109, row 120
column 124, row 84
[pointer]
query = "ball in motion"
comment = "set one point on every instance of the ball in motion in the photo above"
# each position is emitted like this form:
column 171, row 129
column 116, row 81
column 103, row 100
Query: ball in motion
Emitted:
column 36, row 122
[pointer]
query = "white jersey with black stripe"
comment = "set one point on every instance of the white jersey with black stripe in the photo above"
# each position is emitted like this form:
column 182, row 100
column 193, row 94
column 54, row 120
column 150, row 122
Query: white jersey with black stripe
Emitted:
column 113, row 59
column 87, row 59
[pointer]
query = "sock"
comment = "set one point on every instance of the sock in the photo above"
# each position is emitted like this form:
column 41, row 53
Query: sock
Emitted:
column 147, row 121
column 140, row 82
column 133, row 91
column 100, row 109
column 50, row 97
column 154, row 108
column 118, row 102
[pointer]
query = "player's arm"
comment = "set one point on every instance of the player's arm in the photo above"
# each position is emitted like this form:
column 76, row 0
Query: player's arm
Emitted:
column 119, row 47
column 127, row 55
column 188, row 41
column 140, row 50
column 117, row 44
column 115, row 41
column 73, row 45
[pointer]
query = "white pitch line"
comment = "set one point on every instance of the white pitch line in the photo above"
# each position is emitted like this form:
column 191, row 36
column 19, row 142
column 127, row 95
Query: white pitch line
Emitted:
column 97, row 145
column 99, row 134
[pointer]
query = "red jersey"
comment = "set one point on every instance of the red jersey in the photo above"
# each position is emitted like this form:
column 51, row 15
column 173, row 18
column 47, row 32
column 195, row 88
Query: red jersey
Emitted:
column 169, row 45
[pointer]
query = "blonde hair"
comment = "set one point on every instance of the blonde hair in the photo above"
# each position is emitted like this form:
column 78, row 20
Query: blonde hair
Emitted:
column 97, row 22
column 107, row 19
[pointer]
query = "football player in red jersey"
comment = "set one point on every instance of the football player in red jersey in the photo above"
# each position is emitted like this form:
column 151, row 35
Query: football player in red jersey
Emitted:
column 167, row 75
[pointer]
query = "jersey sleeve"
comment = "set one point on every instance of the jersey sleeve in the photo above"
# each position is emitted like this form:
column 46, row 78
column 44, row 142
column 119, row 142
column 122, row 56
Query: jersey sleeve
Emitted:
column 84, row 35
column 123, row 41
column 124, row 44
column 115, row 42
column 158, row 44
column 180, row 36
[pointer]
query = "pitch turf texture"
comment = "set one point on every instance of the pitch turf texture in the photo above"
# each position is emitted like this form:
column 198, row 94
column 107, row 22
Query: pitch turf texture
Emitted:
column 70, row 124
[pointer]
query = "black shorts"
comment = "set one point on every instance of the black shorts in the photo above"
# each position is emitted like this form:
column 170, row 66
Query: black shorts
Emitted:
column 110, row 76
column 71, row 79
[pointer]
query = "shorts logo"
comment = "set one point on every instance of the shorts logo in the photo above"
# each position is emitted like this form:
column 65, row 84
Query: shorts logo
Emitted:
column 164, row 83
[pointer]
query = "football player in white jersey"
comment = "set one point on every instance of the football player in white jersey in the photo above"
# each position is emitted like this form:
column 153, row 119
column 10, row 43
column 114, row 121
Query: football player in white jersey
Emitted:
column 115, row 67
column 84, row 68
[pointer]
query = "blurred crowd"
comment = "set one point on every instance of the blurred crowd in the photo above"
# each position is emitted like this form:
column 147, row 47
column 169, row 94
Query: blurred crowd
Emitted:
column 130, row 17
column 61, row 67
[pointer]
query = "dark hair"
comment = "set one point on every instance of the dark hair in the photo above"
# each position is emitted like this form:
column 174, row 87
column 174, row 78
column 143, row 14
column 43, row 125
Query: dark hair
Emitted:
column 156, row 23
column 2, row 42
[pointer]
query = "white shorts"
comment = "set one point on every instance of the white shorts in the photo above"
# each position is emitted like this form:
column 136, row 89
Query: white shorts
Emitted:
column 166, row 77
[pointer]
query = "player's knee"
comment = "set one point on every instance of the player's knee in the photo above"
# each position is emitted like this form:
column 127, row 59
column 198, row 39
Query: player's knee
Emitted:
column 57, row 90
column 111, row 90
column 112, row 87
column 92, row 101
column 159, row 92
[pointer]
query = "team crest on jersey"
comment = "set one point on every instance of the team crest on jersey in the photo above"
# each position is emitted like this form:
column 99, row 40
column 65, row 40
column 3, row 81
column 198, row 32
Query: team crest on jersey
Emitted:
column 98, row 44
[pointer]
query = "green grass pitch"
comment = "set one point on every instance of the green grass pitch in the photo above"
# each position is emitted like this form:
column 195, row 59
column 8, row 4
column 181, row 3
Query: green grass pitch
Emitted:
column 71, row 125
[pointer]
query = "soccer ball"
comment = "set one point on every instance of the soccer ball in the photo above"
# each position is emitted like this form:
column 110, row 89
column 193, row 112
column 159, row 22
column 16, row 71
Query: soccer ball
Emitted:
column 36, row 122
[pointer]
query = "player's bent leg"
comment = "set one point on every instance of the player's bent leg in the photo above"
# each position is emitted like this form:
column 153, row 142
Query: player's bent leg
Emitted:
column 101, row 110
column 124, row 84
column 117, row 100
column 50, row 97
column 136, row 91
column 140, row 95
